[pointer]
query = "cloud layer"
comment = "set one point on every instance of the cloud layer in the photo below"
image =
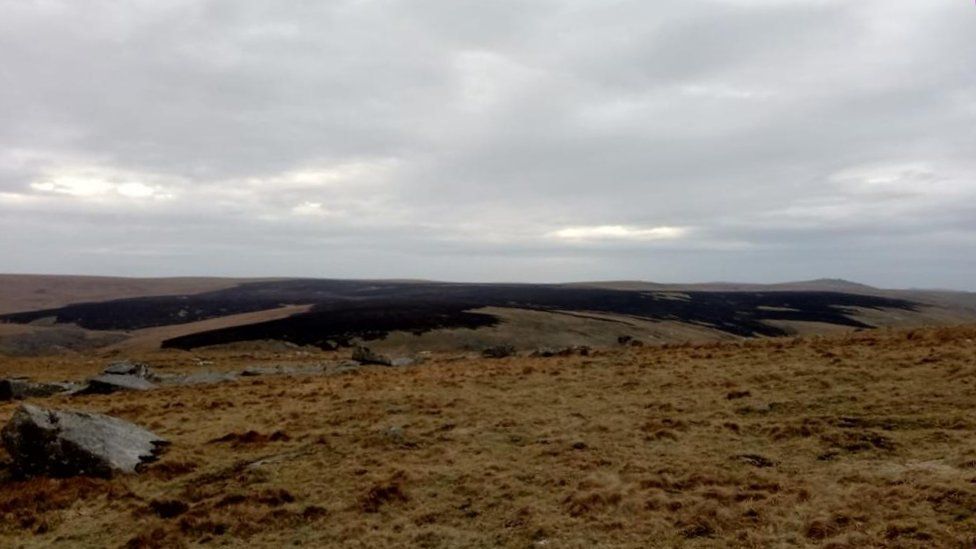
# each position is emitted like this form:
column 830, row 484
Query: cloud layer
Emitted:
column 543, row 140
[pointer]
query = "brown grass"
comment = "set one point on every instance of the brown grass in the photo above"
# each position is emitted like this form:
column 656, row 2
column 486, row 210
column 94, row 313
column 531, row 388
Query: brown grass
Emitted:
column 26, row 292
column 859, row 440
column 149, row 339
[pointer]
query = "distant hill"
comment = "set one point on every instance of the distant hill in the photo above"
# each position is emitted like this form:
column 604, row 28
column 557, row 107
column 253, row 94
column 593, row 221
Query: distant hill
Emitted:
column 194, row 312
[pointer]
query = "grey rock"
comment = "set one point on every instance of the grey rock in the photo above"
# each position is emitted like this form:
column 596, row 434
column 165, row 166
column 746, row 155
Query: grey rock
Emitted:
column 366, row 355
column 258, row 371
column 346, row 367
column 202, row 378
column 395, row 433
column 111, row 383
column 18, row 389
column 127, row 368
column 498, row 351
column 67, row 443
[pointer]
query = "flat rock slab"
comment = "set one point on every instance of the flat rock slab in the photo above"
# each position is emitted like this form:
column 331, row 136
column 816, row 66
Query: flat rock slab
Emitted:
column 18, row 389
column 111, row 383
column 198, row 378
column 127, row 368
column 65, row 443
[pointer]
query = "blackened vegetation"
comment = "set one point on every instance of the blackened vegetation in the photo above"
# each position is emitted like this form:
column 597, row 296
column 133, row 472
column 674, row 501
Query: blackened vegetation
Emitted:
column 366, row 309
column 341, row 325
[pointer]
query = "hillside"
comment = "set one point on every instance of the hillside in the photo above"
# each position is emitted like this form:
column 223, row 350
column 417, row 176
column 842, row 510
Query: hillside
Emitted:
column 855, row 440
column 420, row 315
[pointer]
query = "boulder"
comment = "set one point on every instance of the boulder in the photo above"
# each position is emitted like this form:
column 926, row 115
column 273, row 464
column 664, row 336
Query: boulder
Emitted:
column 111, row 383
column 365, row 355
column 18, row 389
column 127, row 368
column 498, row 351
column 65, row 443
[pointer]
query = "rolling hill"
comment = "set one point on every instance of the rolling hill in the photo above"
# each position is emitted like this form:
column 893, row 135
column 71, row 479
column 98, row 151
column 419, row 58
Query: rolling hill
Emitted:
column 187, row 313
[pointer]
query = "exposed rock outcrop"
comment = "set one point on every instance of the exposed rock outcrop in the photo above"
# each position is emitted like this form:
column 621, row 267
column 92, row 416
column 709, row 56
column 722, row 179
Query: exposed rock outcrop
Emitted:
column 498, row 351
column 127, row 368
column 365, row 355
column 67, row 443
column 112, row 383
column 581, row 350
column 18, row 389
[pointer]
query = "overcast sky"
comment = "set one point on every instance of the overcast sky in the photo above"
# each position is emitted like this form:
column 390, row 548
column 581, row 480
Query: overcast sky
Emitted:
column 520, row 140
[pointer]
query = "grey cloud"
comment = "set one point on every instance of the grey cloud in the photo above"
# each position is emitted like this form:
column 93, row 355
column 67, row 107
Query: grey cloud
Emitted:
column 453, row 140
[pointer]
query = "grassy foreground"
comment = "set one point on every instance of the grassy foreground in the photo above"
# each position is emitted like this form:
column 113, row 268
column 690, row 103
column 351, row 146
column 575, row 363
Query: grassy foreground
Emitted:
column 859, row 440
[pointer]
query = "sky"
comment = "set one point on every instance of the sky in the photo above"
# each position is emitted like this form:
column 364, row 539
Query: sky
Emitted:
column 502, row 140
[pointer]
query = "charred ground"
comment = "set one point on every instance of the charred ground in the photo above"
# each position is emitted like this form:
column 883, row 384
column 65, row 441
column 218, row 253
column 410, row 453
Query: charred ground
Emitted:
column 343, row 310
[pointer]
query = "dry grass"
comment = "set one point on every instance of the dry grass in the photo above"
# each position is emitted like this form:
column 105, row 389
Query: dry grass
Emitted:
column 26, row 292
column 858, row 440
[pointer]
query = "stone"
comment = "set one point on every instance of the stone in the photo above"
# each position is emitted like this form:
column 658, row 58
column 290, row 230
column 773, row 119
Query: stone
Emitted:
column 111, row 383
column 346, row 367
column 127, row 368
column 65, row 443
column 546, row 352
column 202, row 378
column 18, row 389
column 365, row 355
column 257, row 371
column 498, row 351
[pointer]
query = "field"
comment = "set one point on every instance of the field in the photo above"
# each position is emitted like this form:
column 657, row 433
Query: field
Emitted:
column 853, row 440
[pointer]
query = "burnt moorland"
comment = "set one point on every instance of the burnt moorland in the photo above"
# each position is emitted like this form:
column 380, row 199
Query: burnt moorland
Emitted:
column 344, row 309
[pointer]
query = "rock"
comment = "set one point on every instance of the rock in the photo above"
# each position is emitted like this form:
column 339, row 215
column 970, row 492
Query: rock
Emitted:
column 755, row 460
column 111, row 383
column 17, row 389
column 346, row 367
column 624, row 339
column 202, row 378
column 329, row 345
column 257, row 371
column 546, row 352
column 365, row 355
column 67, row 443
column 396, row 434
column 127, row 368
column 498, row 351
